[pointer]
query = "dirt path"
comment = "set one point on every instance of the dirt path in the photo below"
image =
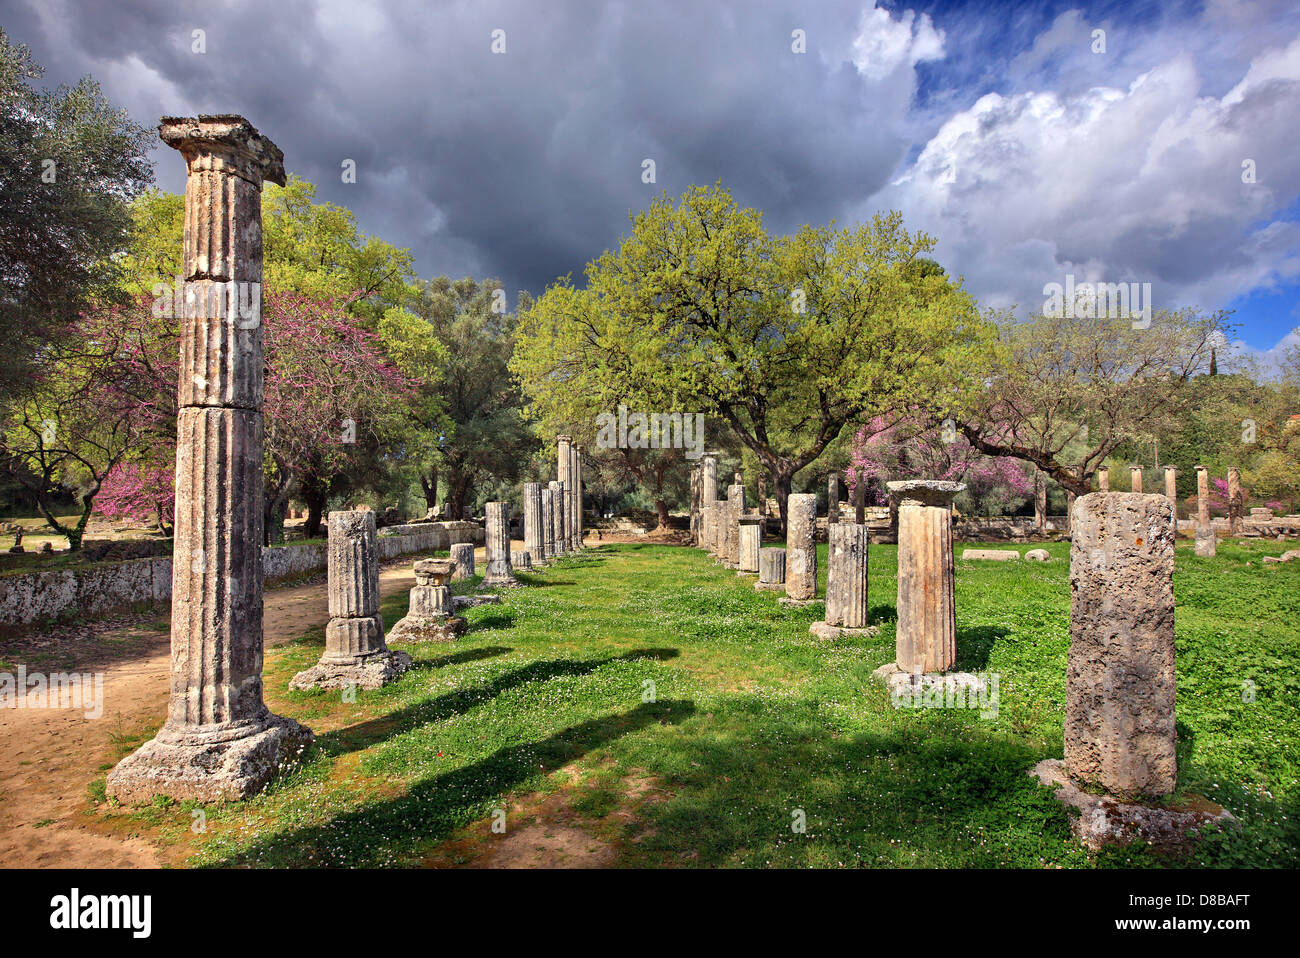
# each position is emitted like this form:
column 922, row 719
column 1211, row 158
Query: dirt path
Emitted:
column 49, row 756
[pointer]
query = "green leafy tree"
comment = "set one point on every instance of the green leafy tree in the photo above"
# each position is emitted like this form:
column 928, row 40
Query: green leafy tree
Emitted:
column 69, row 165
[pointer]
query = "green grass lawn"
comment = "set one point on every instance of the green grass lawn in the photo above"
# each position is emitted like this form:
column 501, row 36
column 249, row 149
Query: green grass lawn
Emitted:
column 682, row 718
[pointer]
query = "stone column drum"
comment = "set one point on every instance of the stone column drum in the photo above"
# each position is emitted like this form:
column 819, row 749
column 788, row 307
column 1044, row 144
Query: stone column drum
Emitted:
column 219, row 741
column 575, row 477
column 1135, row 478
column 548, row 523
column 706, row 524
column 558, row 496
column 1119, row 688
column 564, row 473
column 1103, row 478
column 496, row 546
column 800, row 548
column 355, row 651
column 771, row 570
column 846, row 582
column 735, row 509
column 533, row 536
column 1206, row 540
column 521, row 559
column 750, row 539
column 430, row 617
column 1171, row 493
column 1236, row 501
column 462, row 558
column 927, row 612
column 708, row 496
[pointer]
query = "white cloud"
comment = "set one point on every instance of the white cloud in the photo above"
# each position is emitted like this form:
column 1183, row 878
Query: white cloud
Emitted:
column 884, row 44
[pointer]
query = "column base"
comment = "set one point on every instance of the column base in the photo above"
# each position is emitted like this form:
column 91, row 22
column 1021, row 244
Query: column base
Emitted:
column 921, row 682
column 824, row 630
column 414, row 628
column 365, row 672
column 1103, row 820
column 746, row 572
column 770, row 586
column 500, row 582
column 798, row 603
column 207, row 767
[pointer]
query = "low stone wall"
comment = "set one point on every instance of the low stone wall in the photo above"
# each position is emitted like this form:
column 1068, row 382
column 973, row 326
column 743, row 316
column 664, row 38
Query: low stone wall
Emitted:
column 96, row 589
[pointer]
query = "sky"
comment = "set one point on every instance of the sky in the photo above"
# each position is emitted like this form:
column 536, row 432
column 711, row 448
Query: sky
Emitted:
column 1113, row 142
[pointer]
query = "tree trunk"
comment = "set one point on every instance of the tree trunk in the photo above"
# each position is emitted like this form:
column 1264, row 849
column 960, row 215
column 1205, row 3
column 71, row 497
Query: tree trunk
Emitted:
column 782, row 482
column 429, row 483
column 1040, row 501
column 316, row 501
column 661, row 507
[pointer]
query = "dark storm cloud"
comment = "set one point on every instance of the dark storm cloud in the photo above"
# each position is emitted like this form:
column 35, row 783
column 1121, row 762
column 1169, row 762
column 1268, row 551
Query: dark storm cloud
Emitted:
column 522, row 165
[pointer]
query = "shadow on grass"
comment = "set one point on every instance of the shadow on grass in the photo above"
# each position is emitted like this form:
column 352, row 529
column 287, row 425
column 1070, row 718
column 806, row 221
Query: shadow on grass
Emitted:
column 882, row 612
column 384, row 727
column 497, row 619
column 457, row 658
column 434, row 807
column 974, row 646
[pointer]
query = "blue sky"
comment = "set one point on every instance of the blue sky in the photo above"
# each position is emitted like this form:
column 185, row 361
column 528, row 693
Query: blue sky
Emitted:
column 1001, row 129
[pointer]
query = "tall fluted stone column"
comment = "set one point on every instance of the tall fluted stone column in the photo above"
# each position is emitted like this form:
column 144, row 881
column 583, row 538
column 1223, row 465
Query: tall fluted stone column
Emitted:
column 707, row 511
column 575, row 476
column 1236, row 501
column 1135, row 478
column 462, row 559
column 1171, row 493
column 927, row 612
column 219, row 741
column 429, row 617
column 708, row 496
column 1119, row 685
column 1206, row 540
column 355, row 651
column 846, row 582
column 771, row 569
column 533, row 536
column 496, row 545
column 1103, row 478
column 833, row 499
column 697, row 516
column 860, row 498
column 750, row 541
column 735, row 509
column 564, row 473
column 548, row 522
column 558, row 496
column 800, row 549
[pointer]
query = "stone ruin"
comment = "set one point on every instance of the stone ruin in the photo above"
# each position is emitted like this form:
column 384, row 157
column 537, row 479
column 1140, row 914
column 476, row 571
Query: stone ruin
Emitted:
column 926, row 644
column 462, row 558
column 749, row 541
column 355, row 652
column 771, row 570
column 500, row 573
column 846, row 583
column 430, row 617
column 1120, row 736
column 220, row 741
column 800, row 549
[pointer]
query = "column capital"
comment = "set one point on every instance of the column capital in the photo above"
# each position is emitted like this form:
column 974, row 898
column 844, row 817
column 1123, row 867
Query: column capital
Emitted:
column 225, row 142
column 925, row 492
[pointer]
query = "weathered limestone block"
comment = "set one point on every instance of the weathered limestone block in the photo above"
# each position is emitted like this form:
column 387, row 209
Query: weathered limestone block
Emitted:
column 1236, row 501
column 462, row 557
column 521, row 559
column 801, row 548
column 1038, row 555
column 846, row 582
column 994, row 555
column 533, row 536
column 735, row 509
column 575, row 476
column 1135, row 478
column 1119, row 712
column 355, row 651
column 564, row 473
column 708, row 514
column 1103, row 478
column 927, row 612
column 1205, row 536
column 430, row 617
column 499, row 573
column 708, row 496
column 219, row 741
column 771, row 570
column 750, row 540
column 558, row 496
column 548, row 523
